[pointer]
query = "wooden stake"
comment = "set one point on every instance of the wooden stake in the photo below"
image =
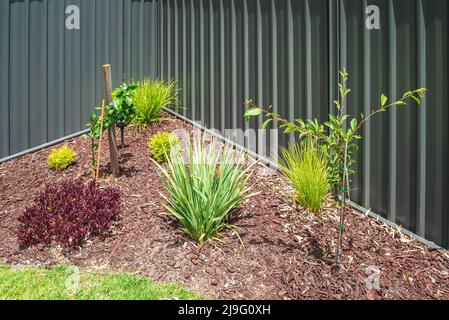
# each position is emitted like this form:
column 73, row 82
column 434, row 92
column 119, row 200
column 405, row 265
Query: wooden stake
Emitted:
column 111, row 129
column 97, row 175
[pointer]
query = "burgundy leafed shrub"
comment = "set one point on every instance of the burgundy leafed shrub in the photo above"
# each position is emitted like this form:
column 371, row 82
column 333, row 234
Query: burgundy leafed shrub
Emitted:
column 68, row 214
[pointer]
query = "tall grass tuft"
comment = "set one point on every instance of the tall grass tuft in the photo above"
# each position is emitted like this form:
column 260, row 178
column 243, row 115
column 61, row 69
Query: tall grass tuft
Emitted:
column 205, row 190
column 151, row 97
column 307, row 168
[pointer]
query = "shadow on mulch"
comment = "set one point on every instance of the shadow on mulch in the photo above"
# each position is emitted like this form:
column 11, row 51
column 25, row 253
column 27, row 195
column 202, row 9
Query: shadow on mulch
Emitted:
column 282, row 252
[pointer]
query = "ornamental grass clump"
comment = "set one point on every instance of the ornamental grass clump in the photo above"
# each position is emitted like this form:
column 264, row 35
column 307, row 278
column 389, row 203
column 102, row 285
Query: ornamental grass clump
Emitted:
column 62, row 158
column 306, row 167
column 151, row 97
column 203, row 191
column 160, row 145
column 68, row 214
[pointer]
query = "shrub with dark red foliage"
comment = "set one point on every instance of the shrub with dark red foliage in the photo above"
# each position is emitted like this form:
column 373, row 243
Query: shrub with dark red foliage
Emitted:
column 68, row 214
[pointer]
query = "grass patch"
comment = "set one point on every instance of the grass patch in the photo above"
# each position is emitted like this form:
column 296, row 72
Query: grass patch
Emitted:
column 57, row 284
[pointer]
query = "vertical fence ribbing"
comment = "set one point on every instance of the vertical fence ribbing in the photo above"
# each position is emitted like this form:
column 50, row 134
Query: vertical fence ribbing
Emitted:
column 222, row 68
column 366, row 110
column 212, row 104
column 246, row 55
column 193, row 105
column 5, row 45
column 176, row 39
column 308, row 49
column 393, row 114
column 202, row 62
column 422, row 127
column 291, row 63
column 184, row 56
column 233, row 65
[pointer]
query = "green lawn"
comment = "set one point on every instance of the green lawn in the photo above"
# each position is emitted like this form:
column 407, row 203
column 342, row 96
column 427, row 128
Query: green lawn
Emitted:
column 61, row 283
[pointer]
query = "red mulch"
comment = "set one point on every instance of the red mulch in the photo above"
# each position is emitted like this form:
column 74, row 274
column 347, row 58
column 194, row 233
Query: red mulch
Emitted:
column 284, row 252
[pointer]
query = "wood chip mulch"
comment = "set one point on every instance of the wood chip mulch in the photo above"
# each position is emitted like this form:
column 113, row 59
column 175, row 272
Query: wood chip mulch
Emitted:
column 281, row 251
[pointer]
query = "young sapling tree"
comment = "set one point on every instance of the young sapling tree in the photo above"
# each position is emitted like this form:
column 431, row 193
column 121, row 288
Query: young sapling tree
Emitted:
column 337, row 137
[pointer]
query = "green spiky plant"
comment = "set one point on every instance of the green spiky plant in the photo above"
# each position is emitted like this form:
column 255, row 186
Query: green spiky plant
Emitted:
column 151, row 97
column 205, row 190
column 305, row 166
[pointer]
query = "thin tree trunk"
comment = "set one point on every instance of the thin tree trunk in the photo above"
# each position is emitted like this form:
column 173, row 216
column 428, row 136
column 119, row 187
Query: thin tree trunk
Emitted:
column 343, row 192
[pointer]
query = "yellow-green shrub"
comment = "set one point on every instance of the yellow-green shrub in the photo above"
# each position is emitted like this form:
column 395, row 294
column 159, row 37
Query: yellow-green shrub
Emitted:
column 151, row 97
column 307, row 168
column 161, row 144
column 62, row 158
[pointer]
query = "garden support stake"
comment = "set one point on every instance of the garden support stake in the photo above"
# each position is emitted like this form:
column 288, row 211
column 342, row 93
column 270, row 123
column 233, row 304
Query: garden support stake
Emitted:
column 111, row 129
column 122, row 126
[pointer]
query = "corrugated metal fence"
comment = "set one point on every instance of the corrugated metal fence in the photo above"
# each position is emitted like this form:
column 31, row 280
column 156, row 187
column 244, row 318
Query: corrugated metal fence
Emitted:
column 287, row 53
column 51, row 77
column 281, row 52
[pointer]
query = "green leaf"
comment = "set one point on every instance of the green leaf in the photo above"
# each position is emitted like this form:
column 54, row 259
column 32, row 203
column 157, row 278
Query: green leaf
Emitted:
column 407, row 94
column 354, row 124
column 266, row 123
column 383, row 100
column 400, row 103
column 253, row 112
column 418, row 101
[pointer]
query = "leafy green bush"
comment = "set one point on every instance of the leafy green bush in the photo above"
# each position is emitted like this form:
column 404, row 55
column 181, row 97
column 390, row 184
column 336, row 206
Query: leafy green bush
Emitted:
column 161, row 144
column 122, row 110
column 306, row 167
column 151, row 97
column 203, row 192
column 62, row 158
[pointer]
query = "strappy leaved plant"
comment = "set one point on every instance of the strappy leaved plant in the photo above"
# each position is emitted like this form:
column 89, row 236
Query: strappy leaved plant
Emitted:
column 204, row 190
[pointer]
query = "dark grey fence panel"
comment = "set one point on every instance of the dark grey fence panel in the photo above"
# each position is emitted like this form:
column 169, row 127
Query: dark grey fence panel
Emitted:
column 402, row 173
column 223, row 52
column 434, row 121
column 140, row 39
column 51, row 77
column 287, row 53
column 4, row 78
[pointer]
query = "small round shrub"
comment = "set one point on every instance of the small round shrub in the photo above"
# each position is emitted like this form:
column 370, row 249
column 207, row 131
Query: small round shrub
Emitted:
column 161, row 144
column 60, row 159
column 68, row 214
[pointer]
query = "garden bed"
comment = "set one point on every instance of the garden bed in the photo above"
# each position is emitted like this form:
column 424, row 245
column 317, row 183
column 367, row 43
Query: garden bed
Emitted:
column 281, row 251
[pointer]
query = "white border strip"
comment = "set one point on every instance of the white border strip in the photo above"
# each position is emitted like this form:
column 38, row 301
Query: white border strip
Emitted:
column 43, row 146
